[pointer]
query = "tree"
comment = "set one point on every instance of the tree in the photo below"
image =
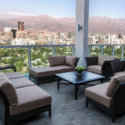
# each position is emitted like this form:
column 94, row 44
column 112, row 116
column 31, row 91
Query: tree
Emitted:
column 39, row 63
column 19, row 65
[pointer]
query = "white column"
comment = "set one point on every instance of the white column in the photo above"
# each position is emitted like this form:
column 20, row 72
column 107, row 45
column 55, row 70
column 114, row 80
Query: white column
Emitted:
column 82, row 18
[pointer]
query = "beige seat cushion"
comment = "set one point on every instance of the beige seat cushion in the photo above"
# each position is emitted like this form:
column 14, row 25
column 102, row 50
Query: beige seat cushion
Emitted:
column 120, row 73
column 57, row 60
column 30, row 98
column 21, row 82
column 63, row 68
column 43, row 71
column 95, row 69
column 98, row 93
column 8, row 90
column 114, row 83
column 14, row 75
column 103, row 58
column 71, row 61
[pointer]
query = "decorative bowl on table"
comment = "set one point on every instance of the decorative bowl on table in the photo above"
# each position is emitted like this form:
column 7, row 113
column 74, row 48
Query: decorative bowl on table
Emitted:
column 79, row 70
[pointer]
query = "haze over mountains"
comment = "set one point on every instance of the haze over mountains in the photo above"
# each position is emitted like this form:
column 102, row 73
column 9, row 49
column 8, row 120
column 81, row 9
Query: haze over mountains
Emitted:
column 102, row 24
column 97, row 24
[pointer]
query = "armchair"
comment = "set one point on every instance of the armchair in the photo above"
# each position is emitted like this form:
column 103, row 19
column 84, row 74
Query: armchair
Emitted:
column 108, row 97
column 101, row 65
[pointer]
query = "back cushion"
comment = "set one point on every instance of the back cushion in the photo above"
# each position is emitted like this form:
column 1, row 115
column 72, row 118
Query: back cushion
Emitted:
column 103, row 58
column 113, row 84
column 71, row 61
column 57, row 60
column 8, row 90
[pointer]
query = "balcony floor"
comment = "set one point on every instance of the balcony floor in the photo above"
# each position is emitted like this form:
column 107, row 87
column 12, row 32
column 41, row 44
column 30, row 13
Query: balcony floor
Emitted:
column 67, row 111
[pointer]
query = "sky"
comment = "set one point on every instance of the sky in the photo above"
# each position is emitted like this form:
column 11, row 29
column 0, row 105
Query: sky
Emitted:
column 109, row 8
column 59, row 8
column 56, row 8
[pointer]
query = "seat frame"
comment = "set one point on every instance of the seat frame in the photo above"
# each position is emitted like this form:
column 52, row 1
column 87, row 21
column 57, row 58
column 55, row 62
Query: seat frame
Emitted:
column 40, row 79
column 4, row 109
column 7, row 119
column 118, row 102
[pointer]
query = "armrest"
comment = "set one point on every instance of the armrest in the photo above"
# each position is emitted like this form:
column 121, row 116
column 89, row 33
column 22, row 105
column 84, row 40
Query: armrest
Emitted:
column 107, row 69
column 118, row 100
column 9, row 67
column 91, row 61
column 118, row 66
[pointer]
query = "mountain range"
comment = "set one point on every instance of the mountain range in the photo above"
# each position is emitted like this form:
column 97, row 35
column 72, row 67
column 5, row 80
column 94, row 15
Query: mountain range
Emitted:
column 97, row 24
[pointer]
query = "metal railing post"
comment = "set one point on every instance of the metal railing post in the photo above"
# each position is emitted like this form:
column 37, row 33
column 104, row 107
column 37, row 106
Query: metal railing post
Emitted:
column 102, row 50
column 29, row 55
column 123, row 52
column 113, row 51
column 73, row 50
column 54, row 51
column 89, row 48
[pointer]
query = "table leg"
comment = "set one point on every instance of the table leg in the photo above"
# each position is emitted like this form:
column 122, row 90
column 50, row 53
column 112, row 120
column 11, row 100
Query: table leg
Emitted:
column 75, row 92
column 102, row 81
column 58, row 79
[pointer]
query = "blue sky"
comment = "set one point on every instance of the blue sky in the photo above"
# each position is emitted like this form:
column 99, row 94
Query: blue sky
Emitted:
column 109, row 8
column 60, row 8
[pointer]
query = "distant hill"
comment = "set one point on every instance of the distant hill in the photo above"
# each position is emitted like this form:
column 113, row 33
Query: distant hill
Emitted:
column 41, row 23
column 102, row 24
column 97, row 24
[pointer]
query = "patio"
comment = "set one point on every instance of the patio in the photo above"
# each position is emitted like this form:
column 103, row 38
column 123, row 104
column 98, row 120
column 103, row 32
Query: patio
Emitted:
column 67, row 111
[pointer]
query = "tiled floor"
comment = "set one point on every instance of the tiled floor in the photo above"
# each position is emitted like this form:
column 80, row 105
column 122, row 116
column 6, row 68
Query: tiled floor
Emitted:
column 67, row 111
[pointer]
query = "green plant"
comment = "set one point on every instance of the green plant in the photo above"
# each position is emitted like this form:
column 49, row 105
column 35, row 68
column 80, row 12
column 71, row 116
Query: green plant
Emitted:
column 80, row 68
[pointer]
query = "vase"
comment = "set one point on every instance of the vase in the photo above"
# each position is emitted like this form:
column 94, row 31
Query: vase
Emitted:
column 79, row 74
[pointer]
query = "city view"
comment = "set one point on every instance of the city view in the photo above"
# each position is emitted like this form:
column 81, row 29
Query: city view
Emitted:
column 43, row 26
column 105, row 27
column 106, row 22
column 40, row 26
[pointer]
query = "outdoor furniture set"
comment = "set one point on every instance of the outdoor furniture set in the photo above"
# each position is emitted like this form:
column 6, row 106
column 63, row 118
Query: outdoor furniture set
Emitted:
column 21, row 98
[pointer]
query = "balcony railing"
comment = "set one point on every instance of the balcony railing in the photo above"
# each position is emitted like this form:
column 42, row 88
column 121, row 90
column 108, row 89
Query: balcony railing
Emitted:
column 31, row 50
column 29, row 47
column 117, row 50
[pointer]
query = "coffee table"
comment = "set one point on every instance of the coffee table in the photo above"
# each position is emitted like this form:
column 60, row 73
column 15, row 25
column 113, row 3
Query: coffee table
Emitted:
column 72, row 79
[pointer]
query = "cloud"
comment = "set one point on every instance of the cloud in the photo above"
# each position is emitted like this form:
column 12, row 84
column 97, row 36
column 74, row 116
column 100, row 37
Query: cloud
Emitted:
column 10, row 14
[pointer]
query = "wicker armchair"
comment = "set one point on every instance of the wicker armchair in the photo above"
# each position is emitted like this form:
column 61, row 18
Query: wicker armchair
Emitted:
column 101, row 65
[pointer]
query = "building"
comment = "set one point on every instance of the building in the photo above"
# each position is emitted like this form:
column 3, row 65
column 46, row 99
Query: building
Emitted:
column 9, row 32
column 22, row 42
column 22, row 34
column 20, row 25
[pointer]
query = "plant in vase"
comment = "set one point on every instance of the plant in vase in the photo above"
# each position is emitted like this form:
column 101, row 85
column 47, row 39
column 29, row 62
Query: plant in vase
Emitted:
column 79, row 69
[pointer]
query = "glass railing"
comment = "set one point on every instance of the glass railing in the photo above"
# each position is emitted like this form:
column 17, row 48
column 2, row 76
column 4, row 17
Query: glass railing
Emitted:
column 31, row 56
column 117, row 50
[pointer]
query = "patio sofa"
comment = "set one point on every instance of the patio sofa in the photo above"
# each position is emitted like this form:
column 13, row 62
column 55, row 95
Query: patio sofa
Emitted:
column 118, row 68
column 20, row 98
column 109, row 97
column 57, row 64
column 101, row 65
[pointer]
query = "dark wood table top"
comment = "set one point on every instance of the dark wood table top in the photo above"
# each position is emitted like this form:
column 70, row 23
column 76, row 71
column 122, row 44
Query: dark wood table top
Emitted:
column 87, row 77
